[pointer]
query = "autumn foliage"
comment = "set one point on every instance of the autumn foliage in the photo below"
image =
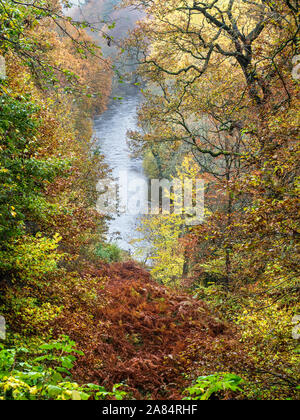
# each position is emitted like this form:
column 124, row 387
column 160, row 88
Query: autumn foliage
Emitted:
column 221, row 103
column 146, row 336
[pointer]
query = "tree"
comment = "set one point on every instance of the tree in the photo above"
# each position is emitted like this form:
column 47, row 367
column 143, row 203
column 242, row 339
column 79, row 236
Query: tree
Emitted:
column 214, row 70
column 21, row 35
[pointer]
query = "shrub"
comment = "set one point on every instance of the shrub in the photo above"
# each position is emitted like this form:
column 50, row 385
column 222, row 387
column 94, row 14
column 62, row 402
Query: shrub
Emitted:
column 214, row 385
column 47, row 376
column 109, row 253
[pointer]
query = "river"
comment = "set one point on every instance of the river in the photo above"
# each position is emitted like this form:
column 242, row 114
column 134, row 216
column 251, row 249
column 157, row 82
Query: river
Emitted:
column 111, row 131
column 112, row 126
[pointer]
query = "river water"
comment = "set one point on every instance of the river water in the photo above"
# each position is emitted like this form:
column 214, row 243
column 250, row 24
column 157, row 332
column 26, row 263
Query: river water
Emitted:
column 112, row 126
column 111, row 131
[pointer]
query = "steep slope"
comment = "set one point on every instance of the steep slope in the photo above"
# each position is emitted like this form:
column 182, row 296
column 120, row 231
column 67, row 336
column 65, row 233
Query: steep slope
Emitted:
column 148, row 336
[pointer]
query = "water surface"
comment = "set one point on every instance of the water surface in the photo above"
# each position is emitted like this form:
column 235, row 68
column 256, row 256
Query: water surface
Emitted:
column 111, row 131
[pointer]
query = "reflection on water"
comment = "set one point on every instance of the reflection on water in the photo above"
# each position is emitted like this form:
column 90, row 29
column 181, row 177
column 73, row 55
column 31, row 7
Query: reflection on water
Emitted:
column 111, row 130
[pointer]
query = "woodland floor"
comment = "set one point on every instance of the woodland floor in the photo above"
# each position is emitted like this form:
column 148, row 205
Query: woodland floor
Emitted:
column 150, row 337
